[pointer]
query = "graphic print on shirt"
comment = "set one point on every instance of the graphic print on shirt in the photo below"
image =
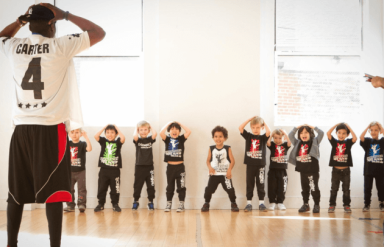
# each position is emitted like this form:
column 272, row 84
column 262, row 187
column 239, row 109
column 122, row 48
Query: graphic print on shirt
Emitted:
column 173, row 148
column 311, row 183
column 254, row 151
column 374, row 154
column 228, row 183
column 304, row 157
column 109, row 157
column 340, row 155
column 280, row 155
column 285, row 178
column 261, row 175
column 75, row 161
column 145, row 145
column 182, row 180
column 219, row 161
column 117, row 185
column 152, row 177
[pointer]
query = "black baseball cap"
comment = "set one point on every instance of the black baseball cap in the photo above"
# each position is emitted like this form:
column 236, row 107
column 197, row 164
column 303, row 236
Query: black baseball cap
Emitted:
column 38, row 12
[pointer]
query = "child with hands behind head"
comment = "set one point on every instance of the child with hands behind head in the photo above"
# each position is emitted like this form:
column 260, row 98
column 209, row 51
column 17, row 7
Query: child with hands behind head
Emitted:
column 277, row 175
column 220, row 163
column 144, row 169
column 373, row 163
column 174, row 156
column 341, row 160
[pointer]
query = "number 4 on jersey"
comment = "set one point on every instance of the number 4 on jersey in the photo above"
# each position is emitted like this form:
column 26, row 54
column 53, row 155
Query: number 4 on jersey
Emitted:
column 34, row 69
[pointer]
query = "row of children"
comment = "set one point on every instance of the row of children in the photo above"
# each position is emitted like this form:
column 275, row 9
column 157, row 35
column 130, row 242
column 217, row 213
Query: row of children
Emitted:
column 220, row 162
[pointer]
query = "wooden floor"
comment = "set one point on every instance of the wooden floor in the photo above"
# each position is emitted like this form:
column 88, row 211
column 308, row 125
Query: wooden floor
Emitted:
column 193, row 228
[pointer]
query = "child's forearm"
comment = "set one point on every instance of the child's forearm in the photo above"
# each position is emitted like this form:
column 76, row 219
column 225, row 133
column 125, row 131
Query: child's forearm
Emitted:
column 154, row 133
column 135, row 135
column 269, row 141
column 242, row 126
column 163, row 130
column 97, row 135
column 89, row 146
column 329, row 133
column 122, row 136
column 320, row 134
column 267, row 130
column 288, row 140
column 186, row 129
column 362, row 136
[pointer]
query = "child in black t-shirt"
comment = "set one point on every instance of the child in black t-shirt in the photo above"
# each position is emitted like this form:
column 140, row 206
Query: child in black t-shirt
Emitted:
column 305, row 156
column 373, row 163
column 174, row 156
column 144, row 170
column 341, row 160
column 254, row 158
column 110, row 164
column 277, row 175
column 220, row 163
column 78, row 150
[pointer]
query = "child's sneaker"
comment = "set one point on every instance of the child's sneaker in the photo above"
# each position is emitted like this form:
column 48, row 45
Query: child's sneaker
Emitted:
column 281, row 206
column 331, row 209
column 381, row 206
column 347, row 209
column 82, row 208
column 366, row 208
column 168, row 207
column 316, row 209
column 271, row 207
column 205, row 207
column 181, row 207
column 151, row 207
column 69, row 209
column 262, row 207
column 234, row 207
column 99, row 207
column 248, row 208
column 116, row 208
column 304, row 208
column 135, row 206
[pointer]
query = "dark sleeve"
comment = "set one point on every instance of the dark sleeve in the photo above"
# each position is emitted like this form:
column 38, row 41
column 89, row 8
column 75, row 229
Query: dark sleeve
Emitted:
column 350, row 142
column 333, row 141
column 118, row 142
column 364, row 143
column 286, row 146
column 136, row 142
column 182, row 138
column 152, row 140
column 102, row 140
column 265, row 138
column 85, row 147
column 271, row 147
column 167, row 139
column 245, row 134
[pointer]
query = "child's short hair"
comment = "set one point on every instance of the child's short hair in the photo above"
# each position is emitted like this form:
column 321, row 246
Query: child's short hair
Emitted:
column 143, row 124
column 174, row 125
column 311, row 132
column 79, row 129
column 257, row 120
column 111, row 127
column 342, row 126
column 220, row 129
column 277, row 132
column 373, row 124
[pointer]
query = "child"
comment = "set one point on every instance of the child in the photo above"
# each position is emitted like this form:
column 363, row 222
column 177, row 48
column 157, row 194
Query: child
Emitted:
column 254, row 158
column 341, row 160
column 110, row 163
column 277, row 175
column 373, row 163
column 174, row 156
column 220, row 163
column 78, row 150
column 144, row 170
column 305, row 156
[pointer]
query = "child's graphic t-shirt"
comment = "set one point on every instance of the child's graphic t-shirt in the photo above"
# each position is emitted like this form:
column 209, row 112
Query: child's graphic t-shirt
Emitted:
column 279, row 157
column 78, row 151
column 110, row 154
column 373, row 159
column 341, row 152
column 305, row 162
column 220, row 160
column 255, row 148
column 174, row 148
column 144, row 155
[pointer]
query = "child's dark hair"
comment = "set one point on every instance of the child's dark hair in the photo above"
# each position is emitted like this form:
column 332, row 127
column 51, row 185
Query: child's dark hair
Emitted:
column 220, row 129
column 111, row 127
column 174, row 125
column 307, row 128
column 342, row 126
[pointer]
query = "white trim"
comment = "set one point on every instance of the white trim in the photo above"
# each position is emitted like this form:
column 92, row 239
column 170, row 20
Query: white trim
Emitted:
column 56, row 192
column 13, row 197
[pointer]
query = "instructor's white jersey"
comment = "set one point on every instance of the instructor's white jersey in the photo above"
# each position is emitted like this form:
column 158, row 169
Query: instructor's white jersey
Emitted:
column 44, row 78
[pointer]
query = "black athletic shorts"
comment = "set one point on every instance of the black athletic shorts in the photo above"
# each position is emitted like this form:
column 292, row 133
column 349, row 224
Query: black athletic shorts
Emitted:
column 39, row 165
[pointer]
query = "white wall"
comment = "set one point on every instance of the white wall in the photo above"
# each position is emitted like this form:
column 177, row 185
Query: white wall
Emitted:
column 207, row 63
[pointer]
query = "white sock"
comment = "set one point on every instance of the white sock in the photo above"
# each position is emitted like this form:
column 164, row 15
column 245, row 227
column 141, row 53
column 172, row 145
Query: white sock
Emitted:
column 261, row 202
column 249, row 202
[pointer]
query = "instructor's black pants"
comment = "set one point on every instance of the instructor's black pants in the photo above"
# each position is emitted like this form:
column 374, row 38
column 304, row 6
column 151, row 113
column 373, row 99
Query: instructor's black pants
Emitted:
column 310, row 185
column 368, row 184
column 277, row 185
column 255, row 173
column 144, row 174
column 176, row 173
column 214, row 181
column 344, row 176
column 109, row 178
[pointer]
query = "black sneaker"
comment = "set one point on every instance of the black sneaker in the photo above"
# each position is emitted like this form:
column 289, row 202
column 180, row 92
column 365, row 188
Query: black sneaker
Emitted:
column 347, row 209
column 99, row 207
column 331, row 209
column 304, row 208
column 116, row 208
column 205, row 207
column 262, row 207
column 366, row 208
column 316, row 209
column 234, row 207
column 82, row 208
column 381, row 206
column 151, row 207
column 135, row 206
column 248, row 208
column 69, row 209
